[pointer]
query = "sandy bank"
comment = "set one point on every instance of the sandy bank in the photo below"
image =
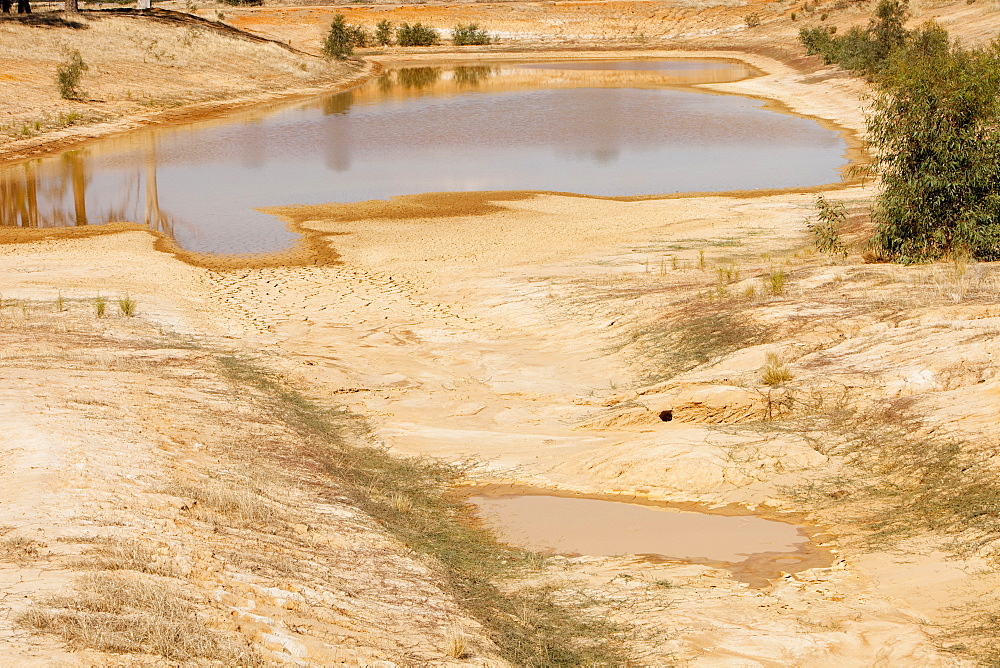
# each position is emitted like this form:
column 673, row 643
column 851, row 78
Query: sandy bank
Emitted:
column 540, row 335
column 186, row 73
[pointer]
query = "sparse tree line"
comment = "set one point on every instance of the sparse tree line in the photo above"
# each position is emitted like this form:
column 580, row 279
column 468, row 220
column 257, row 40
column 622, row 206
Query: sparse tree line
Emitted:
column 343, row 38
column 934, row 127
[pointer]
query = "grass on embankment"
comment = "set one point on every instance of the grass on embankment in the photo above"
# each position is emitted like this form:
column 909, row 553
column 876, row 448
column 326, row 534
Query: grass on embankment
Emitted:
column 411, row 498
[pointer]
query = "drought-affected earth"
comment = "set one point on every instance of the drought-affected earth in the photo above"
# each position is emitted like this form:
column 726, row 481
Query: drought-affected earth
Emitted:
column 173, row 431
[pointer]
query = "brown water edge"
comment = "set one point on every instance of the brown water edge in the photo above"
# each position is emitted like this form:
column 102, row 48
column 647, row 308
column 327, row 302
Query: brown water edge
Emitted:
column 757, row 570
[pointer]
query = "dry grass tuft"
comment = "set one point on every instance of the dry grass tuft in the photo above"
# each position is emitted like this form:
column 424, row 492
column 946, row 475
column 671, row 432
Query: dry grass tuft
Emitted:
column 456, row 643
column 240, row 501
column 127, row 614
column 775, row 371
column 19, row 549
column 400, row 502
column 775, row 282
column 127, row 306
column 123, row 554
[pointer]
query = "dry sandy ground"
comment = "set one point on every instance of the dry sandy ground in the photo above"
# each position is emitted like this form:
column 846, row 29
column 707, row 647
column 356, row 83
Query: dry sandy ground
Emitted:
column 125, row 454
column 532, row 333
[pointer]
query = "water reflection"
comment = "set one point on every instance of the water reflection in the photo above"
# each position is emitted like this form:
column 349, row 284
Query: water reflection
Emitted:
column 417, row 78
column 54, row 193
column 613, row 130
column 473, row 75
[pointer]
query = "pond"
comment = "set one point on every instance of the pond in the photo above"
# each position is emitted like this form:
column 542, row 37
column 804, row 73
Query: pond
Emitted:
column 754, row 548
column 604, row 128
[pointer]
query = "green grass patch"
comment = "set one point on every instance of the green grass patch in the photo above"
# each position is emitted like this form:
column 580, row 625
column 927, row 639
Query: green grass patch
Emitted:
column 697, row 334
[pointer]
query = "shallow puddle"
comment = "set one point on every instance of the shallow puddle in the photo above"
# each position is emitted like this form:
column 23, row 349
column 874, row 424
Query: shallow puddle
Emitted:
column 607, row 128
column 754, row 548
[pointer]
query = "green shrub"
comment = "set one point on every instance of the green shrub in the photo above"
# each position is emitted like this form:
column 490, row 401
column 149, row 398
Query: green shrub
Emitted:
column 342, row 38
column 416, row 35
column 471, row 34
column 359, row 36
column 752, row 20
column 934, row 128
column 830, row 218
column 383, row 32
column 68, row 76
column 935, row 131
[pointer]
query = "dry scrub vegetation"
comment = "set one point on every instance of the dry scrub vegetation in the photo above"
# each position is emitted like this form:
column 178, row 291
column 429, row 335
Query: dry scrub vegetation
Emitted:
column 131, row 614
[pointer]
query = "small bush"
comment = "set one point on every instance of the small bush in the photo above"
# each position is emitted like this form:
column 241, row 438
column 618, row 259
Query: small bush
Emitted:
column 68, row 76
column 830, row 217
column 416, row 35
column 775, row 371
column 471, row 34
column 127, row 306
column 100, row 306
column 243, row 3
column 752, row 20
column 775, row 282
column 383, row 32
column 359, row 36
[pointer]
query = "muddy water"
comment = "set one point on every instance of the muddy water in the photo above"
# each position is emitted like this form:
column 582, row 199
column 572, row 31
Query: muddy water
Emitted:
column 751, row 546
column 598, row 128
